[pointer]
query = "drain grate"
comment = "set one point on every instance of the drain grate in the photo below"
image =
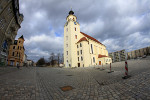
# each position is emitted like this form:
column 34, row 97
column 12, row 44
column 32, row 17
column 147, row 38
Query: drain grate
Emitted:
column 66, row 88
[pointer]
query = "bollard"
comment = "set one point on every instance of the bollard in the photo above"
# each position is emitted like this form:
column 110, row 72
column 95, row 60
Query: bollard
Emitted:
column 110, row 69
column 126, row 71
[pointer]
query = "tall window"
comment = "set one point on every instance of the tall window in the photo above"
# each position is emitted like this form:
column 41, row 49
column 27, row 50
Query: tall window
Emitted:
column 78, row 52
column 13, row 54
column 18, row 47
column 78, row 58
column 81, row 52
column 81, row 58
column 67, row 29
column 77, row 46
column 75, row 29
column 80, row 45
column 66, row 45
column 67, row 52
column 92, row 48
column 93, row 59
column 66, row 37
column 75, row 36
column 13, row 47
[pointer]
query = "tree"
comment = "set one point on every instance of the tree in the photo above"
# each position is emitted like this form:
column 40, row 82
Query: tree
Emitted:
column 58, row 58
column 51, row 58
column 41, row 62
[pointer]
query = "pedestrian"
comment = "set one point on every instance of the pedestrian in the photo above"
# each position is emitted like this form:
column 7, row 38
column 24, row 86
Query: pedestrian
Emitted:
column 18, row 66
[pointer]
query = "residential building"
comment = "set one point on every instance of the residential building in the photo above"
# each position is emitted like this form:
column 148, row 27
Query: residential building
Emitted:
column 139, row 53
column 118, row 56
column 30, row 63
column 16, row 53
column 80, row 49
column 10, row 20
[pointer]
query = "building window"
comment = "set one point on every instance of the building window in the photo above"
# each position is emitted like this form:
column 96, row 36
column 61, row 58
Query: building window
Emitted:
column 81, row 52
column 81, row 58
column 66, row 37
column 67, row 52
column 92, row 48
column 73, row 19
column 18, row 47
column 13, row 54
column 78, row 52
column 67, row 29
column 93, row 59
column 66, row 45
column 78, row 58
column 75, row 29
column 75, row 36
column 13, row 47
column 80, row 45
column 77, row 46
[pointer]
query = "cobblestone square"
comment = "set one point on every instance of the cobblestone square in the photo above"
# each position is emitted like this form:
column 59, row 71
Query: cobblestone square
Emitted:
column 92, row 83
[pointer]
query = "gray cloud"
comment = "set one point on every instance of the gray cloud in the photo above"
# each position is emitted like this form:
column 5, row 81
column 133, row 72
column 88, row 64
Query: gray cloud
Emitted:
column 118, row 24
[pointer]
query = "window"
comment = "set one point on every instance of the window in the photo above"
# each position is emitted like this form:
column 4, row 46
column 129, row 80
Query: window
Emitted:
column 77, row 46
column 73, row 19
column 75, row 29
column 75, row 36
column 78, row 58
column 80, row 45
column 78, row 52
column 81, row 58
column 91, row 48
column 93, row 59
column 81, row 52
column 13, row 54
column 18, row 47
column 66, row 37
column 66, row 45
column 67, row 52
column 67, row 29
column 13, row 47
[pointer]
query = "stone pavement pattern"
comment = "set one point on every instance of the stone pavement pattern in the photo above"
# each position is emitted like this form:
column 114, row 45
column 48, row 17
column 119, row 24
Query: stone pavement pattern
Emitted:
column 88, row 83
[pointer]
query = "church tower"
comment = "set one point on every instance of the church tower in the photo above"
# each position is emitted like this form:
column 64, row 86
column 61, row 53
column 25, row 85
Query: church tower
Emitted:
column 71, row 37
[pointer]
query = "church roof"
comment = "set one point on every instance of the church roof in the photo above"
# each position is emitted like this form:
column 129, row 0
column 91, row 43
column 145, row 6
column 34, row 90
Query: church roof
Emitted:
column 101, row 56
column 82, row 39
column 91, row 38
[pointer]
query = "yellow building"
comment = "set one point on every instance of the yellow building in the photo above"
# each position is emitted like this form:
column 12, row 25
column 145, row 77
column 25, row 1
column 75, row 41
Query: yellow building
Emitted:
column 80, row 49
column 16, row 53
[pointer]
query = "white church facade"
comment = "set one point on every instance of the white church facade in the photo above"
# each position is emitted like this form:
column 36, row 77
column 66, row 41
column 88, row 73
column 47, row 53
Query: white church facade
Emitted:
column 80, row 49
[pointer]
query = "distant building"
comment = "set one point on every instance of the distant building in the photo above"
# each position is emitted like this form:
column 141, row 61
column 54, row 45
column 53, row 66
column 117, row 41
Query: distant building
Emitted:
column 139, row 53
column 16, row 53
column 10, row 20
column 25, row 60
column 80, row 49
column 30, row 63
column 118, row 56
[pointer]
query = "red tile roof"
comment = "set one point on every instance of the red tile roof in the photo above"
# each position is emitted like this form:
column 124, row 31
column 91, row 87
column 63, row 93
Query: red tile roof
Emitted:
column 82, row 39
column 91, row 38
column 100, row 56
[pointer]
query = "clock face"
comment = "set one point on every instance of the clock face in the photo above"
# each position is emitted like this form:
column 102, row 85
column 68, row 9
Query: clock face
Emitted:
column 75, row 23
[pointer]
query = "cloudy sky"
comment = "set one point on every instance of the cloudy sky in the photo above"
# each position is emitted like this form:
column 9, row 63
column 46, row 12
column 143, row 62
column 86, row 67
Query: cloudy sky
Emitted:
column 118, row 24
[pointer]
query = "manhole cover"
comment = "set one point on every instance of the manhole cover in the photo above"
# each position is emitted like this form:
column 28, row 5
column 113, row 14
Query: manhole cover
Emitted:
column 66, row 88
column 68, row 75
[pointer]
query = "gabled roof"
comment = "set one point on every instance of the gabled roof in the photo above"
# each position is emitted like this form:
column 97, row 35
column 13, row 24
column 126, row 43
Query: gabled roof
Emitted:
column 101, row 56
column 91, row 38
column 82, row 39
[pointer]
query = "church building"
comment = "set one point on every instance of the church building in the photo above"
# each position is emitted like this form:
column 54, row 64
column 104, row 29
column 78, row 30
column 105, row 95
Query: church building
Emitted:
column 80, row 49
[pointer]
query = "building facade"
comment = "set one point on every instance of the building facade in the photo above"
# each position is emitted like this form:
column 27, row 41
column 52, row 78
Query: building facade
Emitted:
column 25, row 60
column 10, row 20
column 16, row 53
column 118, row 56
column 80, row 49
column 139, row 53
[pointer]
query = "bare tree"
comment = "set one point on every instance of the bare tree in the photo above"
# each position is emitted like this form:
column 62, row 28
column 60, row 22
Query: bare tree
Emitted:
column 51, row 58
column 58, row 58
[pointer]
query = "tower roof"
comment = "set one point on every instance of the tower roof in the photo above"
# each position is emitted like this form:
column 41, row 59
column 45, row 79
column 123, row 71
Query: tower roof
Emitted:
column 22, row 37
column 71, row 12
